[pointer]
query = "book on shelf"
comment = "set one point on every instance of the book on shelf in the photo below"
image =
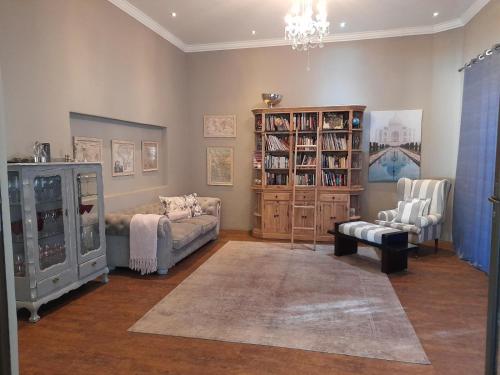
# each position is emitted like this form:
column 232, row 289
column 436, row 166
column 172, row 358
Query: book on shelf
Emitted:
column 257, row 159
column 334, row 142
column 305, row 160
column 356, row 142
column 305, row 121
column 333, row 161
column 277, row 178
column 274, row 143
column 306, row 140
column 308, row 179
column 277, row 123
column 276, row 162
column 333, row 178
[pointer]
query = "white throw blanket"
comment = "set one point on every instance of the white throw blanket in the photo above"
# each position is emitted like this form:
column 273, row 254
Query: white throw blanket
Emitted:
column 143, row 241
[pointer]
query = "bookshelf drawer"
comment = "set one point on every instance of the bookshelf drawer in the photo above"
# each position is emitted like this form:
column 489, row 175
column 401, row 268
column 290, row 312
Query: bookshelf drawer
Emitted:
column 277, row 196
column 334, row 197
column 304, row 196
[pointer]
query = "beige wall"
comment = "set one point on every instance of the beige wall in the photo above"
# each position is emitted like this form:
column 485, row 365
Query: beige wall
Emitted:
column 395, row 73
column 90, row 57
column 483, row 30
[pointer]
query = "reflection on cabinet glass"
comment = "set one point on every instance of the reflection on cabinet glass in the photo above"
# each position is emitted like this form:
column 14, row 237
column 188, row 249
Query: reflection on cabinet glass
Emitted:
column 16, row 219
column 57, row 229
column 88, row 210
column 50, row 221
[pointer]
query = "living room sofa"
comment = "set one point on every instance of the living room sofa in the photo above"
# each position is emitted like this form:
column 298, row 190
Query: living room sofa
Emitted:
column 176, row 240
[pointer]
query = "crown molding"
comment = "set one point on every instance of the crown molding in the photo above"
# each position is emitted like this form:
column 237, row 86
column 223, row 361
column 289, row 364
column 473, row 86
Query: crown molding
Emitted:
column 150, row 23
column 147, row 21
column 474, row 9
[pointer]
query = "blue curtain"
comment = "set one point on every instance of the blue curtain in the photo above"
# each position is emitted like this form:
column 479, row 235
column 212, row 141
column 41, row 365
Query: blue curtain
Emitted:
column 472, row 212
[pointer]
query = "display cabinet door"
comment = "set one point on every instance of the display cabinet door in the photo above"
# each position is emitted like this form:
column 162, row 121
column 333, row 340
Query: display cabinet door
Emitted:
column 90, row 239
column 17, row 223
column 51, row 221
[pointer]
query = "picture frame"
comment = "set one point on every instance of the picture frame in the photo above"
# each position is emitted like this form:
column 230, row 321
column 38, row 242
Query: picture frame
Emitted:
column 220, row 166
column 122, row 158
column 87, row 150
column 219, row 126
column 395, row 145
column 150, row 156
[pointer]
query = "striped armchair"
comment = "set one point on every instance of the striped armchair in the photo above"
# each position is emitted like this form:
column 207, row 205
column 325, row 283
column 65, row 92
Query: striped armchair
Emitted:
column 426, row 227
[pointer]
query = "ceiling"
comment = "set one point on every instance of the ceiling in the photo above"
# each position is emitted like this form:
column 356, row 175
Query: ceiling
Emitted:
column 202, row 25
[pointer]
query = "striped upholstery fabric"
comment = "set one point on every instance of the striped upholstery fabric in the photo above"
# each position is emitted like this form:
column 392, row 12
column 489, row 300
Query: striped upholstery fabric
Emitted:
column 410, row 211
column 365, row 231
column 427, row 227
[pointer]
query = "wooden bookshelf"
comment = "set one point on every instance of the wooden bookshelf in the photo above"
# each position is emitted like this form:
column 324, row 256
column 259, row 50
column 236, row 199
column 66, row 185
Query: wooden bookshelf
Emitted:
column 339, row 160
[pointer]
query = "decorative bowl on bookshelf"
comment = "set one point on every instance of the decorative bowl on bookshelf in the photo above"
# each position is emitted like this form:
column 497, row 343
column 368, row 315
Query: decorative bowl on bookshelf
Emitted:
column 272, row 99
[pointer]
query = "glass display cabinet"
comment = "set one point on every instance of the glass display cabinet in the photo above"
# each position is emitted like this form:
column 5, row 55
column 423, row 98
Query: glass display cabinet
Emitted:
column 57, row 219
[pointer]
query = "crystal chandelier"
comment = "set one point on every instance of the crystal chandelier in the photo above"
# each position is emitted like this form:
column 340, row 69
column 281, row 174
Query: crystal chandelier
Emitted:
column 305, row 29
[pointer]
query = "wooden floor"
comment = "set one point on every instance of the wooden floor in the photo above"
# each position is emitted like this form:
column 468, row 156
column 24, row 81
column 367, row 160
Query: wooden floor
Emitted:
column 85, row 332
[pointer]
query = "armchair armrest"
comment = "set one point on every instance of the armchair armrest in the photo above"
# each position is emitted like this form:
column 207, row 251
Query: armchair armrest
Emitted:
column 388, row 215
column 425, row 221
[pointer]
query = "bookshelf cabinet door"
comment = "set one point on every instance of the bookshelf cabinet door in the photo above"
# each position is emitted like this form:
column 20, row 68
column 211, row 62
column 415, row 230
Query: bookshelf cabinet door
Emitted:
column 283, row 217
column 270, row 217
column 331, row 213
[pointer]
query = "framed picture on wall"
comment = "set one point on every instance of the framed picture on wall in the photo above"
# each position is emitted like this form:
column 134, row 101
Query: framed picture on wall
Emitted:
column 219, row 126
column 220, row 166
column 395, row 145
column 87, row 149
column 150, row 155
column 122, row 158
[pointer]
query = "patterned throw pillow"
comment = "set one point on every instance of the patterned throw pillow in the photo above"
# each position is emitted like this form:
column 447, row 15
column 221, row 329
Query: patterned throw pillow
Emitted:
column 409, row 211
column 171, row 204
column 193, row 204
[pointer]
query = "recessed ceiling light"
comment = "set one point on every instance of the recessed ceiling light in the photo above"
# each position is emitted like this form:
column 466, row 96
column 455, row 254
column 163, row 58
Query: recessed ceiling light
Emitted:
column 342, row 24
column 253, row 32
column 174, row 14
column 435, row 14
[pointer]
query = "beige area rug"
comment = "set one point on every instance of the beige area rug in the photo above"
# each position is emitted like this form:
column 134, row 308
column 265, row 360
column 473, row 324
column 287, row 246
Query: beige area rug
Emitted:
column 266, row 294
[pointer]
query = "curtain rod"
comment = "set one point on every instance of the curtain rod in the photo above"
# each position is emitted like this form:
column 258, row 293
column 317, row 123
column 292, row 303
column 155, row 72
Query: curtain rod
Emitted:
column 490, row 51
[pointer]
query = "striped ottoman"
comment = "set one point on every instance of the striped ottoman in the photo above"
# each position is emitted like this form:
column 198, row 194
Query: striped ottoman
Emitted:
column 392, row 242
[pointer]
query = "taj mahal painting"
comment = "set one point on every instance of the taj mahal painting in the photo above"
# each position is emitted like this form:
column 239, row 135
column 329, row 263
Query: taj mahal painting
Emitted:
column 395, row 145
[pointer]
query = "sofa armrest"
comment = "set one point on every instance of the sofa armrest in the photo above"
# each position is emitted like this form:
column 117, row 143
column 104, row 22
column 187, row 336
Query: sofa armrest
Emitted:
column 425, row 221
column 118, row 224
column 211, row 206
column 388, row 215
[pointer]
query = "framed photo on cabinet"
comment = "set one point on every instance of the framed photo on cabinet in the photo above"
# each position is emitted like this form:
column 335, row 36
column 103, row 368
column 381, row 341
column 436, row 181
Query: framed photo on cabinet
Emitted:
column 220, row 166
column 150, row 155
column 122, row 158
column 87, row 149
column 219, row 126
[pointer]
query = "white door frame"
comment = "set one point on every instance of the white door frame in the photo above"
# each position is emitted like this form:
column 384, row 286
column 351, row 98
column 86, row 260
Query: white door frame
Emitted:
column 9, row 269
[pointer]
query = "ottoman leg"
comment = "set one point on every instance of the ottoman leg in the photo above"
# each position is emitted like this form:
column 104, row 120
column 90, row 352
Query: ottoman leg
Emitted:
column 345, row 245
column 394, row 261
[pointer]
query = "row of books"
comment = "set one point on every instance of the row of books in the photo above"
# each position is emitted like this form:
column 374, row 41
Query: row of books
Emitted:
column 334, row 179
column 274, row 143
column 333, row 161
column 257, row 159
column 276, row 162
column 277, row 123
column 258, row 123
column 305, row 179
column 334, row 142
column 305, row 160
column 356, row 161
column 306, row 140
column 277, row 178
column 356, row 142
column 305, row 121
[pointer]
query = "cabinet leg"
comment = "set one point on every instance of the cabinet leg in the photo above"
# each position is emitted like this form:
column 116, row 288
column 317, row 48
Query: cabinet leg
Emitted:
column 34, row 317
column 162, row 271
column 436, row 245
column 105, row 278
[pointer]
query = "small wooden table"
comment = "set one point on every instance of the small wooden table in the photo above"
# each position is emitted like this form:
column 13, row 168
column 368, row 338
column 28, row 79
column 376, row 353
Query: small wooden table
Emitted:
column 394, row 247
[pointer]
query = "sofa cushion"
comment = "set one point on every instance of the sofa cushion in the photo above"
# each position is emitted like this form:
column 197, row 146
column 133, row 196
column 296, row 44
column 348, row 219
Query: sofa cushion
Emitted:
column 207, row 222
column 404, row 227
column 183, row 233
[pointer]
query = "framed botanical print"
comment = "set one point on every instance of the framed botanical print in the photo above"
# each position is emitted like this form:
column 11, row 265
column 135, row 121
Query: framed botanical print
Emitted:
column 87, row 149
column 122, row 158
column 150, row 155
column 219, row 126
column 220, row 166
